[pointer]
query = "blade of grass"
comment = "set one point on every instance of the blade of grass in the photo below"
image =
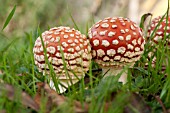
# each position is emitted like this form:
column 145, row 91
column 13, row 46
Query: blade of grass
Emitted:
column 9, row 17
column 7, row 46
column 143, row 18
column 68, row 10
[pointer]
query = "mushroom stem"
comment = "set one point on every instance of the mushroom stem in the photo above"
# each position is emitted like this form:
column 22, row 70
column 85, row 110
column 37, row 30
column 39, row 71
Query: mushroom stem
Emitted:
column 108, row 71
column 64, row 82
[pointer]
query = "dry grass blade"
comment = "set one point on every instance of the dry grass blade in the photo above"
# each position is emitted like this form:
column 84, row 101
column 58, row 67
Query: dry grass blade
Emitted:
column 161, row 103
column 25, row 99
column 137, row 103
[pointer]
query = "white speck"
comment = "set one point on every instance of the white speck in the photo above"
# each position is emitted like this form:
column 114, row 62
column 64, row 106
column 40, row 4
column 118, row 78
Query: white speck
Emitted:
column 59, row 47
column 105, row 20
column 57, row 39
column 97, row 25
column 58, row 55
column 68, row 31
column 129, row 46
column 157, row 38
column 94, row 33
column 102, row 33
column 77, row 48
column 132, row 27
column 105, row 43
column 152, row 25
column 81, row 40
column 137, row 49
column 121, row 50
column 142, row 45
column 122, row 31
column 128, row 37
column 52, row 40
column 65, row 36
column 139, row 41
column 160, row 26
column 106, row 58
column 114, row 26
column 105, row 25
column 86, row 43
column 89, row 48
column 49, row 36
column 73, row 44
column 72, row 61
column 117, row 57
column 93, row 53
column 71, row 35
column 70, row 41
column 110, row 34
column 96, row 42
column 115, row 42
column 112, row 20
column 41, row 48
column 64, row 44
column 134, row 42
column 134, row 33
column 70, row 50
column 56, row 32
column 51, row 49
column 135, row 25
column 127, row 30
column 121, row 37
column 123, row 23
column 128, row 53
column 81, row 45
column 159, row 33
column 76, row 41
column 100, row 52
column 111, row 52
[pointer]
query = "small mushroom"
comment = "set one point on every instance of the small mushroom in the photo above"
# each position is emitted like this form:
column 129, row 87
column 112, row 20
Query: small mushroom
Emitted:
column 116, row 42
column 159, row 34
column 68, row 43
column 162, row 30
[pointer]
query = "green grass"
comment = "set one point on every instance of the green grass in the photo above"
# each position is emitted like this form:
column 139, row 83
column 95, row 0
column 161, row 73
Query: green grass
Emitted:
column 18, row 69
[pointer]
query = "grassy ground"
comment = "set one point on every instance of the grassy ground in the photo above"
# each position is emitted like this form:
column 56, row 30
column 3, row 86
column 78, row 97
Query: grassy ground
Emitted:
column 147, row 89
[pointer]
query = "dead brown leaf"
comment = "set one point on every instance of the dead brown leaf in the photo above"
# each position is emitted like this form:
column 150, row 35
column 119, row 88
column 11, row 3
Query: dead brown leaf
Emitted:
column 58, row 100
column 10, row 92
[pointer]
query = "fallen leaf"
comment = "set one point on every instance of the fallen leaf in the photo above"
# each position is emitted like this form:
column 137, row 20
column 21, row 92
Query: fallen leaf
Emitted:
column 59, row 100
column 11, row 92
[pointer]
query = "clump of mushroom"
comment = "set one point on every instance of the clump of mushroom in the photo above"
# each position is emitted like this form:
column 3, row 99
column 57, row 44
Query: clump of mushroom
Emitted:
column 67, row 42
column 116, row 42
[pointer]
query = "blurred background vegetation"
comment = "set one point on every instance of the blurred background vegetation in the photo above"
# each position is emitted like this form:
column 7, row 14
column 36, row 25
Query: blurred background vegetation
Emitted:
column 49, row 13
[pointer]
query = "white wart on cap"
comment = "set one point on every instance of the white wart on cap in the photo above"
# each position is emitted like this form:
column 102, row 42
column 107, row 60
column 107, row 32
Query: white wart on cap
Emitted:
column 116, row 42
column 76, row 50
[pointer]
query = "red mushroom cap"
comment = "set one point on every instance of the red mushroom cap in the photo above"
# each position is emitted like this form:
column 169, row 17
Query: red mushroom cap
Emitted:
column 116, row 42
column 159, row 34
column 76, row 50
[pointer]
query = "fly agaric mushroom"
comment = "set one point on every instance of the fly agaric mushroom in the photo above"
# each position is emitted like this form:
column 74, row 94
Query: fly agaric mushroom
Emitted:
column 76, row 51
column 159, row 34
column 116, row 42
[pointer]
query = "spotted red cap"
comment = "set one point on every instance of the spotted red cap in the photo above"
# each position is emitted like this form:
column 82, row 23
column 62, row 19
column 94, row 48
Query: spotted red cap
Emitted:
column 159, row 34
column 116, row 42
column 76, row 50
